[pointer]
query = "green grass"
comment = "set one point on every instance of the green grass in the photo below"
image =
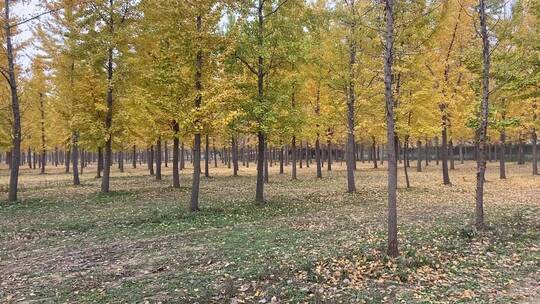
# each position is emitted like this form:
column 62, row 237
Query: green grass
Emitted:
column 311, row 242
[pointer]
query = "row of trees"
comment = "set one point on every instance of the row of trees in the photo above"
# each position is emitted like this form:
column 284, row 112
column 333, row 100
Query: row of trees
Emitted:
column 117, row 74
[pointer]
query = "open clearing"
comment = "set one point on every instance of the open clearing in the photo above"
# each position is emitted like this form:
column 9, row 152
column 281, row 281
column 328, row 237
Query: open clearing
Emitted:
column 311, row 242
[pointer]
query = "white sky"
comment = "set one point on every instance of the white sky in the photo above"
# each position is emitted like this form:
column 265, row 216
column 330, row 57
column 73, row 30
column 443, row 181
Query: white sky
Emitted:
column 24, row 11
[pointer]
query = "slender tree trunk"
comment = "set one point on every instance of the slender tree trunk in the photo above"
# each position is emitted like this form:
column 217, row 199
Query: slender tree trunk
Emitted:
column 351, row 100
column 194, row 202
column 308, row 154
column 521, row 157
column 100, row 162
column 42, row 123
column 329, row 154
column 158, row 159
column 418, row 156
column 259, row 193
column 266, row 173
column 121, row 161
column 281, row 160
column 405, row 158
column 166, row 154
column 150, row 160
column 300, row 155
column 214, row 151
column 461, row 158
column 502, row 151
column 108, row 125
column 56, row 156
column 16, row 127
column 67, row 162
column 443, row 152
column 176, row 143
column 482, row 130
column 234, row 146
column 182, row 156
column 392, row 164
column 374, row 153
column 534, row 140
column 318, row 158
column 206, row 156
column 293, row 154
column 75, row 157
column 451, row 155
column 134, row 160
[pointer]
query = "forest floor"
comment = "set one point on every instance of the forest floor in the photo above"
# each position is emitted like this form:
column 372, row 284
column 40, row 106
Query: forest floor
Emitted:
column 310, row 243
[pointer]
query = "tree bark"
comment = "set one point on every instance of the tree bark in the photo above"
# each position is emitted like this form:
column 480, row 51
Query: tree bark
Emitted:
column 194, row 202
column 418, row 156
column 16, row 127
column 158, row 159
column 443, row 152
column 150, row 160
column 108, row 125
column 329, row 153
column 100, row 162
column 482, row 130
column 206, row 155
column 502, row 156
column 405, row 159
column 390, row 119
column 293, row 154
column 534, row 140
column 134, row 160
column 75, row 157
column 234, row 146
column 42, row 123
column 176, row 143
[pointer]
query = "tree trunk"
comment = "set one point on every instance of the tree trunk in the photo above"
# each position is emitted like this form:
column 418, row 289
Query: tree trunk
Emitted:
column 405, row 158
column 158, row 159
column 534, row 141
column 194, row 202
column 502, row 152
column 293, row 154
column 392, row 164
column 281, row 160
column 266, row 173
column 374, row 153
column 329, row 154
column 75, row 157
column 443, row 152
column 214, row 151
column 418, row 156
column 134, row 160
column 300, row 155
column 56, row 156
column 521, row 157
column 16, row 127
column 206, row 156
column 451, row 155
column 28, row 157
column 182, row 156
column 100, row 162
column 482, row 130
column 176, row 144
column 67, row 162
column 461, row 158
column 166, row 154
column 234, row 146
column 150, row 160
column 108, row 125
column 42, row 123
